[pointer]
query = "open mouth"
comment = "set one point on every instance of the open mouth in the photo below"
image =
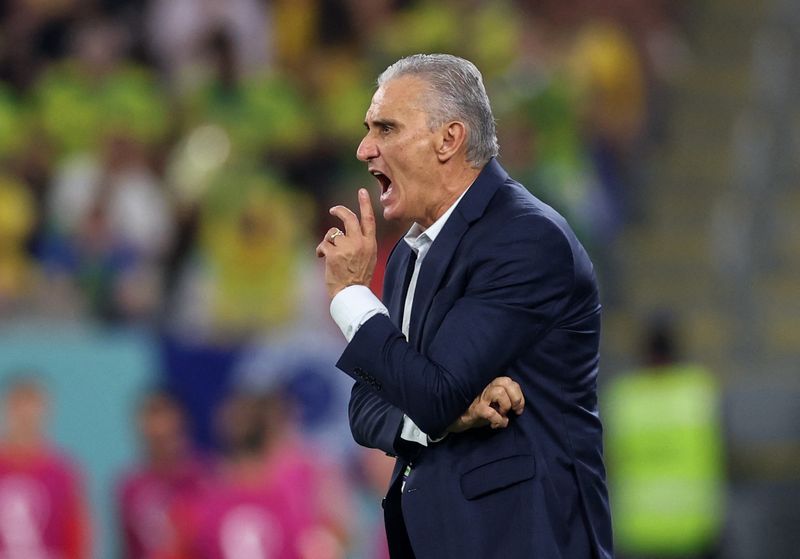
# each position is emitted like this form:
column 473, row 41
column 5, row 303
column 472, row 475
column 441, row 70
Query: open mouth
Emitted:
column 383, row 180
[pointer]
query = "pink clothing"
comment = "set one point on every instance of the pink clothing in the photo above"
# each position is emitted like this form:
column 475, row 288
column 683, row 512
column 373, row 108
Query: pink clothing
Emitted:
column 41, row 508
column 236, row 522
column 146, row 498
column 316, row 495
column 300, row 479
column 297, row 511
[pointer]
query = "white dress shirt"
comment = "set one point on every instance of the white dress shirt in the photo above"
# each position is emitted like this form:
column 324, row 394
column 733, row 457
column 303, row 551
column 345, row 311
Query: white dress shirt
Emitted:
column 356, row 304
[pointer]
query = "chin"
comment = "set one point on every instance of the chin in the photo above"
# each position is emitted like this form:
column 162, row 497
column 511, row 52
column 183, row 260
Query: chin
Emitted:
column 390, row 214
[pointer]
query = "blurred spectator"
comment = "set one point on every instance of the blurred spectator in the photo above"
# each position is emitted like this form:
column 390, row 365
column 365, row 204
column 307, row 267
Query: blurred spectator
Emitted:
column 543, row 132
column 43, row 511
column 306, row 30
column 95, row 90
column 664, row 454
column 108, row 222
column 301, row 360
column 313, row 483
column 251, row 231
column 17, row 220
column 111, row 225
column 261, row 112
column 178, row 31
column 607, row 73
column 237, row 515
column 260, row 505
column 657, row 29
column 39, row 31
column 169, row 472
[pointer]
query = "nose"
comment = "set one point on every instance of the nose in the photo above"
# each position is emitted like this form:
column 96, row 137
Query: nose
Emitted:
column 367, row 149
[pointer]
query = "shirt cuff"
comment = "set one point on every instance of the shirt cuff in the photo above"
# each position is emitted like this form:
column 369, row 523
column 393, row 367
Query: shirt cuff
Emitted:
column 410, row 432
column 353, row 306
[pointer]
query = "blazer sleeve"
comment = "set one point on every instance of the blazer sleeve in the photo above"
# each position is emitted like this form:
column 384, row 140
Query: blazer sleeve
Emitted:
column 375, row 423
column 520, row 280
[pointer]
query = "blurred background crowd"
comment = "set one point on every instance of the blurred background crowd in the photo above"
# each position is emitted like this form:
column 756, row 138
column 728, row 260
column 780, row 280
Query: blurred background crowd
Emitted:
column 166, row 167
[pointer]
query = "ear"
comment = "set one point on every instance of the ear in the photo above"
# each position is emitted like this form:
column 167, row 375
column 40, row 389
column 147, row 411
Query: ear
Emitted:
column 452, row 138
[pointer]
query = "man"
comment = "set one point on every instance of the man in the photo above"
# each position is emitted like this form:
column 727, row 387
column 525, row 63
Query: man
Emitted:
column 665, row 452
column 488, row 283
column 43, row 512
column 168, row 473
column 260, row 503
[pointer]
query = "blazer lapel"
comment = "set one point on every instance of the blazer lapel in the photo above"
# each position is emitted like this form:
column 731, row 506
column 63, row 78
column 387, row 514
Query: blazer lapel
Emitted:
column 436, row 262
column 396, row 282
column 430, row 275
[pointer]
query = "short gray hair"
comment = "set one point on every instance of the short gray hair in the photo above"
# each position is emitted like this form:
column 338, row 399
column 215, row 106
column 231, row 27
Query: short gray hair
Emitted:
column 459, row 94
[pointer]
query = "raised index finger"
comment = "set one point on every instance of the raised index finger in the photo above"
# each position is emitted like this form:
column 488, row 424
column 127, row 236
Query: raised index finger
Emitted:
column 351, row 225
column 367, row 215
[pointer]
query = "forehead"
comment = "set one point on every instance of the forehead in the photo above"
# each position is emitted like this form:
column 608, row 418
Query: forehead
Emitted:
column 158, row 404
column 25, row 390
column 400, row 96
column 25, row 396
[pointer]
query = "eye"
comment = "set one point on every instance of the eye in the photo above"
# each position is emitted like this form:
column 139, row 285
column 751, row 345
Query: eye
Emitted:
column 385, row 128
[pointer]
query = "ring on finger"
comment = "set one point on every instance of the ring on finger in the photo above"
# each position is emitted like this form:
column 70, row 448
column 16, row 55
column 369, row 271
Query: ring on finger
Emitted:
column 337, row 233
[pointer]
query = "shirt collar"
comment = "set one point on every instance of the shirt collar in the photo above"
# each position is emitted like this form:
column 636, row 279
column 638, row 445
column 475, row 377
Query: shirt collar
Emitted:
column 418, row 236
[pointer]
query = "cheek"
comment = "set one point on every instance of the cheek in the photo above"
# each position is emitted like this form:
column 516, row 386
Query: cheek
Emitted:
column 412, row 167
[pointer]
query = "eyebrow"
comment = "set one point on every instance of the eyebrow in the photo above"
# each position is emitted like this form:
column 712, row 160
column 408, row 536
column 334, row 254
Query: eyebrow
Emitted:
column 381, row 122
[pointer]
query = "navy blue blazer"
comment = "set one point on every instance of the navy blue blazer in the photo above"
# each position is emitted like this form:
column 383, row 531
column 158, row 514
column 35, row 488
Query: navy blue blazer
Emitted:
column 506, row 289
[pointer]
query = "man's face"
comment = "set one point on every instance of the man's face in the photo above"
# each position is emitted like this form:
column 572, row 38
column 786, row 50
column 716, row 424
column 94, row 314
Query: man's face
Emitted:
column 161, row 422
column 400, row 150
column 26, row 412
